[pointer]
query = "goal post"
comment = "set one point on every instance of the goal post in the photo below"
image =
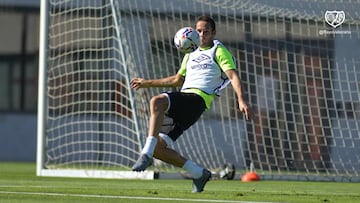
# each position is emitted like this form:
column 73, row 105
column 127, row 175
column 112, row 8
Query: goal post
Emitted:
column 41, row 115
column 298, row 63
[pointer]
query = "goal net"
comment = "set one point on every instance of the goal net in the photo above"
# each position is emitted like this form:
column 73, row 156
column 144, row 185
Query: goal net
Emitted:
column 298, row 61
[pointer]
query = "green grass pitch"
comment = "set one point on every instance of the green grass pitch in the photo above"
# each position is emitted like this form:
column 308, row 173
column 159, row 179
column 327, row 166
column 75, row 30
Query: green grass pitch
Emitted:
column 19, row 183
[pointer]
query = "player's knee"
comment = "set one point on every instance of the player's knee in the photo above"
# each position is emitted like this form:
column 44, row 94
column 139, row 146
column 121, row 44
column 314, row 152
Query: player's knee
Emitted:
column 158, row 103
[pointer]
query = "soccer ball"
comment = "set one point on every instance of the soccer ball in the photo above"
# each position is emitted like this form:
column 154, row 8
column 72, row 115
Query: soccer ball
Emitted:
column 187, row 39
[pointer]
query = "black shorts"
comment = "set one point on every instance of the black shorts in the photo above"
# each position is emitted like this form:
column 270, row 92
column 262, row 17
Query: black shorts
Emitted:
column 185, row 109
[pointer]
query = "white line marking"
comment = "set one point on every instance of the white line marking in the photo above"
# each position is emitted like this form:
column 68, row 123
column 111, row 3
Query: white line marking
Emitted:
column 125, row 197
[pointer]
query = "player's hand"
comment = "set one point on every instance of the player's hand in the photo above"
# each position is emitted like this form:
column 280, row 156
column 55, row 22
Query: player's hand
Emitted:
column 137, row 83
column 243, row 106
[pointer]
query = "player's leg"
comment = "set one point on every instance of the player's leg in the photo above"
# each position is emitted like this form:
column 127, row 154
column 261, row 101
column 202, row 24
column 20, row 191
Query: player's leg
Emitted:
column 158, row 105
column 186, row 115
column 185, row 109
column 166, row 154
column 200, row 175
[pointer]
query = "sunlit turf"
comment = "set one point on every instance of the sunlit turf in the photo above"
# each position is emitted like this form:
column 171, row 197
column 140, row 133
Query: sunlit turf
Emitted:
column 19, row 183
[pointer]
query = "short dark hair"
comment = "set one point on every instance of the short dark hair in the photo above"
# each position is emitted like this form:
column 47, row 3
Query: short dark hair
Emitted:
column 208, row 20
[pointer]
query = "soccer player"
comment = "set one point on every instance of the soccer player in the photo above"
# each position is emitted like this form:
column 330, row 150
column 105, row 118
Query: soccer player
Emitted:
column 201, row 77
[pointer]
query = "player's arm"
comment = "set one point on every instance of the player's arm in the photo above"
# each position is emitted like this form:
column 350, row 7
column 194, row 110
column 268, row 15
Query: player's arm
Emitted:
column 173, row 81
column 237, row 86
column 176, row 80
column 227, row 64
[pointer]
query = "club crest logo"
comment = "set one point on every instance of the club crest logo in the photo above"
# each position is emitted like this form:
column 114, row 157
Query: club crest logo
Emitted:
column 334, row 18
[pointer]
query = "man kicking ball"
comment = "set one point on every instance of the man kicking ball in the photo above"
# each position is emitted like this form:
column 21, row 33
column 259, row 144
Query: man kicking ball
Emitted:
column 201, row 77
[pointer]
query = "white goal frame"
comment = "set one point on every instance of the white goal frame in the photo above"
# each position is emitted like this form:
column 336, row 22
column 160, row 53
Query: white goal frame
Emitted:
column 41, row 170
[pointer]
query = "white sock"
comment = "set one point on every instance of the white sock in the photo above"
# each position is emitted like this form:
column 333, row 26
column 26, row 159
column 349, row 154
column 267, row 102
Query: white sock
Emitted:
column 195, row 170
column 149, row 146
